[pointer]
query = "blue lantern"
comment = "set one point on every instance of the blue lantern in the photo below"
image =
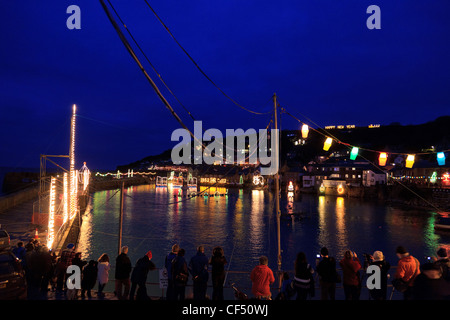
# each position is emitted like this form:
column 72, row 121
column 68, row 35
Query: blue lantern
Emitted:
column 441, row 158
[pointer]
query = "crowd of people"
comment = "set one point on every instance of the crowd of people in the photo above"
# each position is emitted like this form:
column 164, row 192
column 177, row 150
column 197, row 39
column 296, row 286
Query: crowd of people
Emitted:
column 47, row 272
column 430, row 281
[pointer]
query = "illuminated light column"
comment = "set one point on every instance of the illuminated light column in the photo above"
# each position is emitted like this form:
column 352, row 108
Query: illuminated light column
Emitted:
column 74, row 195
column 66, row 198
column 51, row 214
column 72, row 174
column 86, row 175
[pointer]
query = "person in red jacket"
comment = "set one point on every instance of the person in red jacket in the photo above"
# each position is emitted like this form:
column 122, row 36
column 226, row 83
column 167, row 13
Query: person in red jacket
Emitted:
column 408, row 269
column 262, row 277
column 352, row 283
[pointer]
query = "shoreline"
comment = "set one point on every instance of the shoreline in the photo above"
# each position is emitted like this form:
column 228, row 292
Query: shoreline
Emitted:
column 18, row 218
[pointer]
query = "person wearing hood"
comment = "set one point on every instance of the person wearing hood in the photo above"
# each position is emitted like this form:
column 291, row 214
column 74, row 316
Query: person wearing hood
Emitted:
column 139, row 277
column 407, row 270
column 103, row 268
column 262, row 277
column 429, row 284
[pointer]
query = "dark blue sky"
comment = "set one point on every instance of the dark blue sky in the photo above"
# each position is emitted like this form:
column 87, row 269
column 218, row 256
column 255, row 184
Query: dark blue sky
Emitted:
column 318, row 56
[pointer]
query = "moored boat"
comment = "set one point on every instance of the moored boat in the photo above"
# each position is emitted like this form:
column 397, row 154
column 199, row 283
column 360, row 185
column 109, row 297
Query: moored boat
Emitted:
column 443, row 222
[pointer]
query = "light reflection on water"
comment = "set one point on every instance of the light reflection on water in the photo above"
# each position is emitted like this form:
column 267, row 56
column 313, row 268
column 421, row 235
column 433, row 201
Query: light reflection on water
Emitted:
column 156, row 218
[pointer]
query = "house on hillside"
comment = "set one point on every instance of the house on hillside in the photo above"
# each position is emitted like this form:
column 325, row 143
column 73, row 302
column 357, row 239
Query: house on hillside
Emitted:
column 344, row 172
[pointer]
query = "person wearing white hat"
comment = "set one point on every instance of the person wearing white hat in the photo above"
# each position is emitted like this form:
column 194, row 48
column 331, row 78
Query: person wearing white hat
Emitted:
column 378, row 259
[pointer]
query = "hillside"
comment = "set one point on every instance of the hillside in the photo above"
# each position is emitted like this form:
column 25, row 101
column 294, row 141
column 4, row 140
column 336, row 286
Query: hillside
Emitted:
column 430, row 136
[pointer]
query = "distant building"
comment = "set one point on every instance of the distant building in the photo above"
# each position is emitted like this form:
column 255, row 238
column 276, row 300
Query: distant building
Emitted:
column 344, row 173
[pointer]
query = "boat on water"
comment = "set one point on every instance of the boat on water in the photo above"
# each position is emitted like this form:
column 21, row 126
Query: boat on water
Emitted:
column 443, row 222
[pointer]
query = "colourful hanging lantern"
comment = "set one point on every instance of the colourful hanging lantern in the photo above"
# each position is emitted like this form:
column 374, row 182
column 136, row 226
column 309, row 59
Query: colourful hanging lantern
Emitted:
column 409, row 161
column 441, row 158
column 382, row 159
column 354, row 153
column 327, row 144
column 305, row 130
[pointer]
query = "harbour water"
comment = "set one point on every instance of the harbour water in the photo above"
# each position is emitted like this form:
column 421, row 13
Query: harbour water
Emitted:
column 244, row 224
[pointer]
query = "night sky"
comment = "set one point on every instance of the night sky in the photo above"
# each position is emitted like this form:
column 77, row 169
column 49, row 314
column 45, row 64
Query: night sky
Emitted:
column 317, row 55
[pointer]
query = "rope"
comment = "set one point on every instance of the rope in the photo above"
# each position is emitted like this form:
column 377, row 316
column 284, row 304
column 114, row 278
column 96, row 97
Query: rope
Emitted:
column 198, row 67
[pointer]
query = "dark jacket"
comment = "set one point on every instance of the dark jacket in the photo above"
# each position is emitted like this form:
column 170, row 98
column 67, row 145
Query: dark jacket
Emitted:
column 327, row 270
column 140, row 271
column 168, row 264
column 123, row 267
column 198, row 266
column 19, row 252
column 444, row 264
column 380, row 294
column 218, row 269
column 78, row 262
column 89, row 278
column 180, row 271
column 429, row 285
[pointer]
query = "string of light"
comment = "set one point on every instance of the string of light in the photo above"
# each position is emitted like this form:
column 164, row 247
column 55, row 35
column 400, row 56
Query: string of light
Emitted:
column 383, row 156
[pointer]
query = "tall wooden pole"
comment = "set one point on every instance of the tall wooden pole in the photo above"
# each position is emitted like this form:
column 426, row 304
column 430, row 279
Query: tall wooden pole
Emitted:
column 120, row 218
column 277, row 183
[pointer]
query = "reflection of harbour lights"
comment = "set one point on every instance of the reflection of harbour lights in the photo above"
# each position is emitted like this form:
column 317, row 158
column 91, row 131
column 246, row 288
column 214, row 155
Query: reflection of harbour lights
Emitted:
column 290, row 196
column 51, row 214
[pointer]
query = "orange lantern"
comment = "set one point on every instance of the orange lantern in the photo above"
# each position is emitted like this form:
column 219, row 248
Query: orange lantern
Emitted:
column 382, row 159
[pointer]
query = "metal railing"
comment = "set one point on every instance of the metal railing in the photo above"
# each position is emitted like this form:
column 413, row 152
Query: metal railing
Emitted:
column 241, row 280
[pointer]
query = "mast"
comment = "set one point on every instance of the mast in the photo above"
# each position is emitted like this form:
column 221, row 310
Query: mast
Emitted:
column 121, row 217
column 277, row 183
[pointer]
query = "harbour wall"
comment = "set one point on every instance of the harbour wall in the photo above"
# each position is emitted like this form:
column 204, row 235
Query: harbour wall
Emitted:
column 14, row 199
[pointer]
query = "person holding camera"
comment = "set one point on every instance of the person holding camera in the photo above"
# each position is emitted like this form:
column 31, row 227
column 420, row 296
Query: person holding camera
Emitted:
column 350, row 269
